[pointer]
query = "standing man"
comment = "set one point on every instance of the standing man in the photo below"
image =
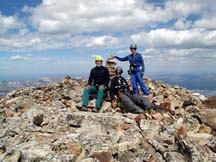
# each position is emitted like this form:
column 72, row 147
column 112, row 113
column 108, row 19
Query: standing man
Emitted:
column 98, row 82
column 136, row 70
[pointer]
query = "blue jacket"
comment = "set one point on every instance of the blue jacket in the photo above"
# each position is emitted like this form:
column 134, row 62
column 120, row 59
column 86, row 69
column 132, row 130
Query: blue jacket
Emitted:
column 137, row 61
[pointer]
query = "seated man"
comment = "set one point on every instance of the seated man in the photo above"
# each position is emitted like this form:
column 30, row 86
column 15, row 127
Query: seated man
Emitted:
column 98, row 82
column 119, row 89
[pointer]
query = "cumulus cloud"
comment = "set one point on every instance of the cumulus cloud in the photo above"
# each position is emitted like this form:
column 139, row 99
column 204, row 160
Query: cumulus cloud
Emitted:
column 8, row 23
column 68, row 24
column 206, row 23
column 19, row 42
column 168, row 38
column 182, row 24
column 78, row 16
column 199, row 55
column 94, row 41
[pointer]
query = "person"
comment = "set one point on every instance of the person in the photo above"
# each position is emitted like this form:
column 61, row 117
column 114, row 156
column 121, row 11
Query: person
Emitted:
column 136, row 69
column 119, row 89
column 98, row 82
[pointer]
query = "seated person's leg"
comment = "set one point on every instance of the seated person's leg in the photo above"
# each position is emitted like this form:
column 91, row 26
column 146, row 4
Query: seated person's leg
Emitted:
column 100, row 95
column 86, row 95
column 143, row 102
column 128, row 105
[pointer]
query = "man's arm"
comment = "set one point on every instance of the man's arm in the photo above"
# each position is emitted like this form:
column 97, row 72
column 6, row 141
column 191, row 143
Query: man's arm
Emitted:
column 121, row 59
column 142, row 63
column 127, row 86
column 107, row 77
column 90, row 80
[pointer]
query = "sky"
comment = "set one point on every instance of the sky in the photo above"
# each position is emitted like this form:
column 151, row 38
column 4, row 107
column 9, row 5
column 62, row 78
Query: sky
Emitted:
column 49, row 37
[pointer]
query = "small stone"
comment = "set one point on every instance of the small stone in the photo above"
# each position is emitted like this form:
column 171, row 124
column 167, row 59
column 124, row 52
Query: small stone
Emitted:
column 38, row 119
column 102, row 156
column 174, row 157
column 2, row 148
column 87, row 160
column 181, row 132
column 205, row 129
column 158, row 116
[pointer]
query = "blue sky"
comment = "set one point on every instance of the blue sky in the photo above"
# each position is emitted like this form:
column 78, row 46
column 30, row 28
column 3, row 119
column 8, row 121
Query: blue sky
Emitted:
column 62, row 37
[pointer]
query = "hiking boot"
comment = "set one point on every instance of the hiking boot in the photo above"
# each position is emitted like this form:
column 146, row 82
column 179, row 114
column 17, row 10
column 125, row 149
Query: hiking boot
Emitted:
column 95, row 110
column 138, row 111
column 84, row 108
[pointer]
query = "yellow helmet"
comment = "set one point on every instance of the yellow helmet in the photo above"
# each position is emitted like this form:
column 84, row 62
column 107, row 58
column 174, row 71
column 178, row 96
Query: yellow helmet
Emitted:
column 99, row 58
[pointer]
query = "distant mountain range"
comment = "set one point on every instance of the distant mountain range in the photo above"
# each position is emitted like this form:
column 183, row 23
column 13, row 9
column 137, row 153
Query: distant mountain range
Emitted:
column 7, row 86
column 204, row 84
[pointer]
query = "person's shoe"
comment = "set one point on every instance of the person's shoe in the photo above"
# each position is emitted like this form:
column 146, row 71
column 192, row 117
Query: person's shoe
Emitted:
column 138, row 111
column 84, row 108
column 95, row 110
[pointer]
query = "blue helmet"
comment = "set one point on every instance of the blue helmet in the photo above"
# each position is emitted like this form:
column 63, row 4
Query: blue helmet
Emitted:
column 133, row 46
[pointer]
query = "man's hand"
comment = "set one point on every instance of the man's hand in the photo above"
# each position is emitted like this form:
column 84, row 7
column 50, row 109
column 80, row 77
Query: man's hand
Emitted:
column 101, row 87
column 114, row 103
column 142, row 73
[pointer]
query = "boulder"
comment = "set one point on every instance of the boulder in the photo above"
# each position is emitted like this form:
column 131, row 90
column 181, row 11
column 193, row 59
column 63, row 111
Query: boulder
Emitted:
column 207, row 116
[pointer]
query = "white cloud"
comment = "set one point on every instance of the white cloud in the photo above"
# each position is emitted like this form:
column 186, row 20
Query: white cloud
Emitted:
column 20, row 58
column 30, row 57
column 8, row 23
column 199, row 55
column 206, row 23
column 182, row 24
column 167, row 38
column 94, row 41
column 126, row 51
column 68, row 24
column 79, row 16
column 19, row 42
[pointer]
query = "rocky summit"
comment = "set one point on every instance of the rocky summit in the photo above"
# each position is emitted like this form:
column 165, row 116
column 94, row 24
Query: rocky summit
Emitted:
column 44, row 124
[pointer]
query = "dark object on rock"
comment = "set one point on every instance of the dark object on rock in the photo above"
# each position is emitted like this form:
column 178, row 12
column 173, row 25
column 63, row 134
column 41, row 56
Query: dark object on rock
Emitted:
column 38, row 119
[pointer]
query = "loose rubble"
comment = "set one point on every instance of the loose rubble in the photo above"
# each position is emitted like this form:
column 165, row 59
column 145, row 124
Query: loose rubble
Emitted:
column 44, row 124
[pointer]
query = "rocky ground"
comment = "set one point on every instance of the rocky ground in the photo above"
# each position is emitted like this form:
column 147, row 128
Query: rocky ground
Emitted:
column 43, row 124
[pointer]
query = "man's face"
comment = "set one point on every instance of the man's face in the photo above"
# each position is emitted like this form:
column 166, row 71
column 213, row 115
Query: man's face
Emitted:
column 98, row 63
column 120, row 94
column 133, row 50
column 118, row 72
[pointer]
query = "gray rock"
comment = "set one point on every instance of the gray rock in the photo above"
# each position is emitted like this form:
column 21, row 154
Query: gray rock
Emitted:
column 11, row 156
column 174, row 156
column 87, row 160
column 193, row 152
column 208, row 116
